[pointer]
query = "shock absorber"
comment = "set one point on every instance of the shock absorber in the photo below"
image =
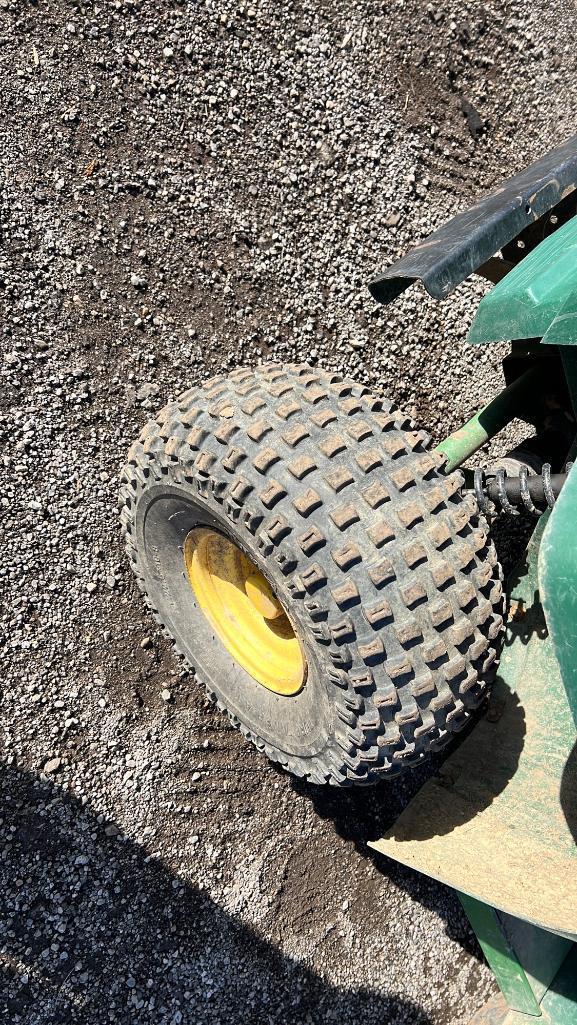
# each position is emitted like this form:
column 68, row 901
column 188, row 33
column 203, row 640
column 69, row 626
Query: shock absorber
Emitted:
column 533, row 492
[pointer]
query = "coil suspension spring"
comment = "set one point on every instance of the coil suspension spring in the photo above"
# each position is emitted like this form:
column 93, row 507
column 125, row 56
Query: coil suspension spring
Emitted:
column 535, row 493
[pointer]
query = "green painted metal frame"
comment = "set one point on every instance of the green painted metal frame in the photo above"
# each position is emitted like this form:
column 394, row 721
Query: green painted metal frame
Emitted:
column 528, row 963
column 501, row 955
column 557, row 1006
column 491, row 419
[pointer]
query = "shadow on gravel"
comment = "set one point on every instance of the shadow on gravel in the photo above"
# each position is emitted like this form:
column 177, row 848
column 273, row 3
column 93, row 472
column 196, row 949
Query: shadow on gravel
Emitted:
column 490, row 750
column 94, row 930
column 363, row 814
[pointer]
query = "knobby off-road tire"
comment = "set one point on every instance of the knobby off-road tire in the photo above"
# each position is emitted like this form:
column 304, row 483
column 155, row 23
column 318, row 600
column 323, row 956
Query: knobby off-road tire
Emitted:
column 383, row 566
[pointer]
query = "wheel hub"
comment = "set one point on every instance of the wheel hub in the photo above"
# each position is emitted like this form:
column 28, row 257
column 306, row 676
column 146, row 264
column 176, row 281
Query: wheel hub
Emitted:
column 244, row 611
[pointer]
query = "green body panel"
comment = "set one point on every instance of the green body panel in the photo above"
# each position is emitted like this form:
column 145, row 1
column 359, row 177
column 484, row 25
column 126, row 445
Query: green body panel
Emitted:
column 558, row 1006
column 502, row 958
column 539, row 295
column 558, row 585
column 524, row 959
column 540, row 953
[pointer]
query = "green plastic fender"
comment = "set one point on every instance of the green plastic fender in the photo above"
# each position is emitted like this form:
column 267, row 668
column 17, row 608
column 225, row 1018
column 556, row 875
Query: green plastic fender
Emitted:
column 563, row 329
column 537, row 299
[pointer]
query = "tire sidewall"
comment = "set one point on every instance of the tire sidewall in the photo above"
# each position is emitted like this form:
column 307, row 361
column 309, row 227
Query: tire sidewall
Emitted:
column 299, row 725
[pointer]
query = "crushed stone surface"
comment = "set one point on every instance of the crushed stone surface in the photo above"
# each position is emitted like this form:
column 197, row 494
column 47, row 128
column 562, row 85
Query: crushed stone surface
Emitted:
column 188, row 187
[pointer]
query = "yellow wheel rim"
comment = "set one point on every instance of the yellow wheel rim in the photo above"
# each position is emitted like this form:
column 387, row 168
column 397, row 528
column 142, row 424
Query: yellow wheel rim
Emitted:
column 244, row 612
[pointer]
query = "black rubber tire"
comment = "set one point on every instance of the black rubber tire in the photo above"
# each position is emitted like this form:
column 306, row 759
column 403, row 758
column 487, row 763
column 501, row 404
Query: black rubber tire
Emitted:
column 383, row 565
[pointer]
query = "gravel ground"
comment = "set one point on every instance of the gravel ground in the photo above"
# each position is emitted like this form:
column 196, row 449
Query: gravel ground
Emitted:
column 188, row 187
